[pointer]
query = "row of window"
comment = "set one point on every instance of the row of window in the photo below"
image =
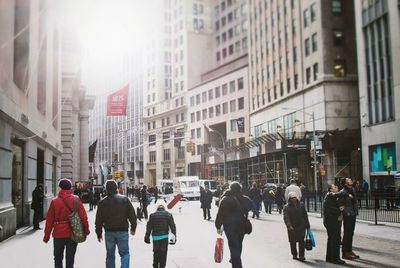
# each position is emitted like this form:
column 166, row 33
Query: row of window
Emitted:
column 216, row 92
column 311, row 48
column 166, row 121
column 234, row 31
column 203, row 115
column 230, row 49
column 227, row 4
column 309, row 15
column 166, row 154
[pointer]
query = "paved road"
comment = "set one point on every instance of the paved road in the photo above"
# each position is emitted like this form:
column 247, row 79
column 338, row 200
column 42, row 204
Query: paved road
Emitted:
column 267, row 246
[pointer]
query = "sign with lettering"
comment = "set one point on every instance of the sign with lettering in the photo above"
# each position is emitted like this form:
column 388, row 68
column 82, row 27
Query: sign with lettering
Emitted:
column 117, row 102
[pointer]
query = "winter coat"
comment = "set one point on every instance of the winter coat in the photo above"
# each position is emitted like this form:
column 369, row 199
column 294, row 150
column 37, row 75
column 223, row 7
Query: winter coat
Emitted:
column 255, row 194
column 296, row 216
column 37, row 199
column 229, row 214
column 331, row 207
column 279, row 197
column 57, row 220
column 206, row 199
column 348, row 200
column 160, row 222
column 267, row 196
column 113, row 213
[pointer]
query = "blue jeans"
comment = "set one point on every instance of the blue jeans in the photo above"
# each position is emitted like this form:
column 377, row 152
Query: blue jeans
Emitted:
column 120, row 239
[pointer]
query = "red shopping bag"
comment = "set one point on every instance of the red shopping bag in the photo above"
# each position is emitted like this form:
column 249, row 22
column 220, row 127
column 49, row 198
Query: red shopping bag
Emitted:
column 219, row 249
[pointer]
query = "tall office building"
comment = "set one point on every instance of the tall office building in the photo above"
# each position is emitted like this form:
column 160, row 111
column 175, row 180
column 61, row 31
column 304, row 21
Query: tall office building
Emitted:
column 30, row 109
column 176, row 55
column 378, row 43
column 302, row 66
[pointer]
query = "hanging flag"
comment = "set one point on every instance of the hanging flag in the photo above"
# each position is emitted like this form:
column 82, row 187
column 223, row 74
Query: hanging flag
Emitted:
column 240, row 124
column 92, row 151
column 117, row 102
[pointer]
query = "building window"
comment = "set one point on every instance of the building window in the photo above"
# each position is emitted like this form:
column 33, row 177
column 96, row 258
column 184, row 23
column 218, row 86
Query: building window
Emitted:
column 340, row 68
column 217, row 92
column 192, row 118
column 167, row 121
column 204, row 97
column 307, row 46
column 314, row 42
column 193, row 134
column 177, row 118
column 218, row 55
column 181, row 152
column 241, row 103
column 225, row 108
column 148, row 126
column 230, row 49
column 306, row 17
column 198, row 116
column 231, row 86
column 308, row 76
column 198, row 99
column 182, row 117
column 198, row 133
column 210, row 94
column 204, row 114
column 233, row 125
column 166, row 137
column 240, row 83
column 217, row 110
column 211, row 112
column 199, row 146
column 288, row 85
column 224, row 89
column 152, row 156
column 288, row 125
column 271, row 126
column 338, row 37
column 315, row 71
column 167, row 155
column 232, row 105
column 337, row 6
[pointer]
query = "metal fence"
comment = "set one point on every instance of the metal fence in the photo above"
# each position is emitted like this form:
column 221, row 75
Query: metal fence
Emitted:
column 373, row 206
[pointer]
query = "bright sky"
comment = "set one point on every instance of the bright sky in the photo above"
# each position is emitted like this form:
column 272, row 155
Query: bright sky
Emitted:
column 108, row 31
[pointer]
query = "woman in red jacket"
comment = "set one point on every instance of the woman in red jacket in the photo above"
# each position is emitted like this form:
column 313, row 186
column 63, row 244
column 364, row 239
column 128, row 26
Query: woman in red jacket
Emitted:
column 58, row 223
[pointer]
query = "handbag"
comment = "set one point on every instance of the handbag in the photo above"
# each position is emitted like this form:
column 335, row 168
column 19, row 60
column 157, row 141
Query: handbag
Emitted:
column 307, row 243
column 219, row 249
column 247, row 226
column 77, row 233
column 310, row 240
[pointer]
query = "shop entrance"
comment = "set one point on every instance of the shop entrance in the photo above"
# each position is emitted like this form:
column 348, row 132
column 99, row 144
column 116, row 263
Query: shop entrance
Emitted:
column 17, row 194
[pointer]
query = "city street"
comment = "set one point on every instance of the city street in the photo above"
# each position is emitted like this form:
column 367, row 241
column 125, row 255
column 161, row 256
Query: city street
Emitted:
column 267, row 246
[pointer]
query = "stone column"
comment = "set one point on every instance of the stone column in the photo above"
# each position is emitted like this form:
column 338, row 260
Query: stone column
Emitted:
column 84, row 144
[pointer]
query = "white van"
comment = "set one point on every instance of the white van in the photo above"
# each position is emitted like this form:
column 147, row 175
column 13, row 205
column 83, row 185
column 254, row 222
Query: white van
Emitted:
column 188, row 186
column 212, row 185
column 165, row 186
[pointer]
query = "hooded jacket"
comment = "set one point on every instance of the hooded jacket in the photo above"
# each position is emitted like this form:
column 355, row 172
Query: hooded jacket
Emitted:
column 57, row 220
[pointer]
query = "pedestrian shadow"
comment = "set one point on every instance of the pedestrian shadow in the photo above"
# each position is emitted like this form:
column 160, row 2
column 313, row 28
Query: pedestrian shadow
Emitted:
column 363, row 262
column 321, row 263
column 375, row 252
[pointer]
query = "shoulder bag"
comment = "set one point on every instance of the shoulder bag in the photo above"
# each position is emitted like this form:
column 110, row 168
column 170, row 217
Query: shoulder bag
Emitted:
column 248, row 228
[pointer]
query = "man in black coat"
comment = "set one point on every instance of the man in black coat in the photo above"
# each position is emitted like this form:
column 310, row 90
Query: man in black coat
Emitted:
column 231, row 216
column 349, row 204
column 158, row 226
column 255, row 195
column 206, row 200
column 144, row 201
column 113, row 214
column 37, row 206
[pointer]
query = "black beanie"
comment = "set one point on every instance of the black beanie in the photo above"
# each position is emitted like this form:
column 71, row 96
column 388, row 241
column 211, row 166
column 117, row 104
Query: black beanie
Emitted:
column 65, row 184
column 111, row 186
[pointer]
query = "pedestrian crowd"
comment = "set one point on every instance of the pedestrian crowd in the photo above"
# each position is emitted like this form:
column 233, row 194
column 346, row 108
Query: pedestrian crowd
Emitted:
column 117, row 217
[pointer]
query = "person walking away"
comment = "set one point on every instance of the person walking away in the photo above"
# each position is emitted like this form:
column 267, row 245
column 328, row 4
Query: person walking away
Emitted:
column 296, row 220
column 37, row 206
column 230, row 217
column 113, row 214
column 144, row 201
column 96, row 199
column 333, row 224
column 158, row 226
column 206, row 199
column 364, row 189
column 57, row 224
column 280, row 198
column 348, row 202
column 293, row 188
column 255, row 196
column 91, row 198
column 268, row 197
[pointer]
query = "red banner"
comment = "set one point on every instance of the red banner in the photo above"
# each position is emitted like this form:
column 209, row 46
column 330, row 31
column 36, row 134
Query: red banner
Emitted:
column 117, row 102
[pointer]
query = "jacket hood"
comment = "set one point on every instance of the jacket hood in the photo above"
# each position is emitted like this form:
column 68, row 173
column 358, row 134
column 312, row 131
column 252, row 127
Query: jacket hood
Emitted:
column 64, row 193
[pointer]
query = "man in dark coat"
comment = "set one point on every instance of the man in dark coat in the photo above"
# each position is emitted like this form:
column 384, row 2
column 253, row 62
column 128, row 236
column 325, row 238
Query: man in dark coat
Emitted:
column 296, row 220
column 37, row 206
column 333, row 223
column 91, row 198
column 268, row 197
column 348, row 202
column 255, row 195
column 206, row 200
column 158, row 226
column 113, row 215
column 144, row 201
column 231, row 216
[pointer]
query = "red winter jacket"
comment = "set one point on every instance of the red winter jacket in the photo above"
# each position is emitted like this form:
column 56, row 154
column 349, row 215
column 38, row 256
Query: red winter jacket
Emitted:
column 57, row 216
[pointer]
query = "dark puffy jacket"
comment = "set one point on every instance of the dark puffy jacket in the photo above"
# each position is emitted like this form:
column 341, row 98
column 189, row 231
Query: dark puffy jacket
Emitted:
column 229, row 214
column 113, row 214
column 160, row 222
column 331, row 206
column 348, row 200
column 295, row 215
column 37, row 198
column 57, row 219
column 255, row 194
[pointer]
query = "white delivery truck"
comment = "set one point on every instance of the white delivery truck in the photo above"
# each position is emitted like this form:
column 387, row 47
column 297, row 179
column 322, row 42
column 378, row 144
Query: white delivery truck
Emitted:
column 188, row 186
column 212, row 185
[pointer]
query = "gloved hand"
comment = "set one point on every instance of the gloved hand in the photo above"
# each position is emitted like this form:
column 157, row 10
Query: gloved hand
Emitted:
column 147, row 240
